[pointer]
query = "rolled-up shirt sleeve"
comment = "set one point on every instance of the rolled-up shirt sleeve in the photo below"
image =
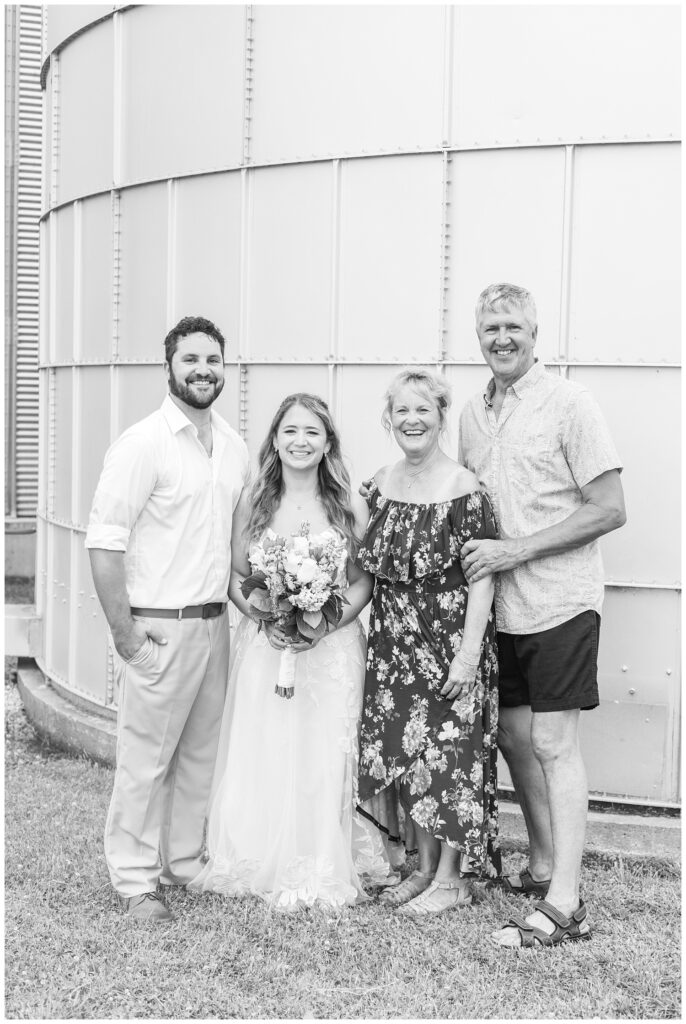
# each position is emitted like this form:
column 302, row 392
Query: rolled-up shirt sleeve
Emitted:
column 586, row 441
column 127, row 480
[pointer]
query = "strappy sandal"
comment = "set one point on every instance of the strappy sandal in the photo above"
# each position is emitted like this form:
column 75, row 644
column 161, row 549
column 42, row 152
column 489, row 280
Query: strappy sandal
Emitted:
column 420, row 906
column 567, row 929
column 529, row 885
column 396, row 895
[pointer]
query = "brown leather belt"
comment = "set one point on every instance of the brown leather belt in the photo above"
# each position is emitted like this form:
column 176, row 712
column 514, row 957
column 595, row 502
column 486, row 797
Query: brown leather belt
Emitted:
column 191, row 611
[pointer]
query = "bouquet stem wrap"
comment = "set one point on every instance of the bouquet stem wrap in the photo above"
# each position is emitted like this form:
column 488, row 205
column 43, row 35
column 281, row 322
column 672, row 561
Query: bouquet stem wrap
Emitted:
column 285, row 686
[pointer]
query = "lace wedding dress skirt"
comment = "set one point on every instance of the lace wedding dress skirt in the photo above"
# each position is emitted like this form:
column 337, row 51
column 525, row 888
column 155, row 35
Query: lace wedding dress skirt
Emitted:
column 282, row 821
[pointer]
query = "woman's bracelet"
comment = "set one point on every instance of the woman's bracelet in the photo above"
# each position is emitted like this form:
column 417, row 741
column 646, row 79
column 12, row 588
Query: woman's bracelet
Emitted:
column 471, row 660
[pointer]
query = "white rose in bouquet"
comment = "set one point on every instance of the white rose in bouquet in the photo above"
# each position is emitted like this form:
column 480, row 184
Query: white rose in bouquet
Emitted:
column 292, row 563
column 307, row 571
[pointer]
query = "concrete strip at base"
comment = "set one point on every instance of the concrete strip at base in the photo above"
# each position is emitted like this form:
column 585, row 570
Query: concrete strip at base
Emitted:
column 64, row 725
column 80, row 731
column 23, row 631
column 610, row 835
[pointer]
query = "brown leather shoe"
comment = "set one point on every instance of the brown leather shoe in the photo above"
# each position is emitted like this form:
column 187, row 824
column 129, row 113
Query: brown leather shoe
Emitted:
column 148, row 906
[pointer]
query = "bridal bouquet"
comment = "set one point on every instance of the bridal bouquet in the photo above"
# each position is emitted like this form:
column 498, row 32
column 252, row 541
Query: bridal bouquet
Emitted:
column 294, row 584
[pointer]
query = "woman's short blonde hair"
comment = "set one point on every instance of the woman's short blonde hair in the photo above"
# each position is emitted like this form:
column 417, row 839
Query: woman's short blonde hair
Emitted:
column 434, row 387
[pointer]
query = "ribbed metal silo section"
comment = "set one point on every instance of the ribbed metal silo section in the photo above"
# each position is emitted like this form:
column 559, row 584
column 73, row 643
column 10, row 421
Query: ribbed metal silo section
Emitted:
column 23, row 138
column 334, row 186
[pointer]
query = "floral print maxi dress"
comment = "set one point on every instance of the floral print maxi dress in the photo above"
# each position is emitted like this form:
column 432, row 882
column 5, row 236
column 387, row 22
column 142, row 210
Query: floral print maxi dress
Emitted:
column 444, row 751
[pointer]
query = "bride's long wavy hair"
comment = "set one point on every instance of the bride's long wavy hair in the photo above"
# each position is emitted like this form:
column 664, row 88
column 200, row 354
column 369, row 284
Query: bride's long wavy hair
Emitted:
column 333, row 477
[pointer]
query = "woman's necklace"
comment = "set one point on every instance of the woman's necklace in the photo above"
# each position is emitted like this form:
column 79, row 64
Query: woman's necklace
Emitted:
column 313, row 499
column 411, row 478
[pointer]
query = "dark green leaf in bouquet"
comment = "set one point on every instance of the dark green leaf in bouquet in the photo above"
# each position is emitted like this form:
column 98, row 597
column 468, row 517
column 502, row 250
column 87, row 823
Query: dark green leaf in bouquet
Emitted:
column 263, row 616
column 332, row 609
column 256, row 581
column 306, row 630
column 260, row 600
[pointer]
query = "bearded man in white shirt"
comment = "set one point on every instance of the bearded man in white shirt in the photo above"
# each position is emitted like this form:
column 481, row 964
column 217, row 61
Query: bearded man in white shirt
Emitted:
column 159, row 540
column 540, row 447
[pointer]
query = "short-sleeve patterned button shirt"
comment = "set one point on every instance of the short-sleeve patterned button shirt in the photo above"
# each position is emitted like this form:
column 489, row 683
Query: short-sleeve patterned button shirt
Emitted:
column 549, row 441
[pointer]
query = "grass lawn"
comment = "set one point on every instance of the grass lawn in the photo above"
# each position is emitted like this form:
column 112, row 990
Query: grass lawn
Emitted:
column 70, row 952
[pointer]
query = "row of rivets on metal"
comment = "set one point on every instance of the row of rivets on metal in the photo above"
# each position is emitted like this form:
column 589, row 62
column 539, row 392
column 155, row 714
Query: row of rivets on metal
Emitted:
column 109, row 691
column 116, row 270
column 52, row 440
column 445, row 256
column 55, row 130
column 243, row 401
column 348, row 156
column 385, row 360
column 248, row 83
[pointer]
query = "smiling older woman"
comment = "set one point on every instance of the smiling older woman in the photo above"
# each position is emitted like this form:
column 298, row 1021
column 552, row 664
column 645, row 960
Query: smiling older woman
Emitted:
column 430, row 706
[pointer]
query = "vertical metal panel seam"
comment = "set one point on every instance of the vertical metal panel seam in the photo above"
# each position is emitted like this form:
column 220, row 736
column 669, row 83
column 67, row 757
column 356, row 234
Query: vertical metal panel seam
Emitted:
column 78, row 282
column 54, row 128
column 77, row 378
column 245, row 258
column 334, row 375
column 50, row 597
column 118, row 44
column 74, row 538
column 445, row 244
column 52, row 290
column 566, row 262
column 117, row 99
column 171, row 250
column 52, row 433
column 446, row 138
column 248, row 82
column 116, row 270
column 246, row 219
column 243, row 401
column 116, row 300
column 109, row 685
column 76, row 454
column 244, row 298
column 448, row 72
column 41, row 579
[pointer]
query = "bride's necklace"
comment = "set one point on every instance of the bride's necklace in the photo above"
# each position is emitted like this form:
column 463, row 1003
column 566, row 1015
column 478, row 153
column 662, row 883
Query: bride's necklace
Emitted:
column 411, row 478
column 313, row 499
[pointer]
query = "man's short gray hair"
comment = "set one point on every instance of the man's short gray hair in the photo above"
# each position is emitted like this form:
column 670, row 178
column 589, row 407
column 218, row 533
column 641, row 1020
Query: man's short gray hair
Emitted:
column 498, row 297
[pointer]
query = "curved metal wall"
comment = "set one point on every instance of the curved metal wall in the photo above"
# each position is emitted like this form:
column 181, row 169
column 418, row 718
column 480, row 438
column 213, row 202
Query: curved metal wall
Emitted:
column 334, row 186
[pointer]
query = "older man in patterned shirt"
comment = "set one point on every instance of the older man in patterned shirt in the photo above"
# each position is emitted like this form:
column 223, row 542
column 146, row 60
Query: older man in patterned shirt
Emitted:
column 539, row 445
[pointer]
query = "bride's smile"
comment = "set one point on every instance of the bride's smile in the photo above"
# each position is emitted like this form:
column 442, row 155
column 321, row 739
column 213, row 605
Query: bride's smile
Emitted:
column 301, row 440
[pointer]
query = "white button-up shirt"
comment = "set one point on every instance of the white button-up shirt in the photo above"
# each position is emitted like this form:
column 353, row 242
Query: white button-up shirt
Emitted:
column 549, row 441
column 168, row 505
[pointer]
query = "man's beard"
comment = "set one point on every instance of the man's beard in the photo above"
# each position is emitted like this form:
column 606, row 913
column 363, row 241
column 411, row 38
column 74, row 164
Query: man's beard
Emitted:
column 197, row 401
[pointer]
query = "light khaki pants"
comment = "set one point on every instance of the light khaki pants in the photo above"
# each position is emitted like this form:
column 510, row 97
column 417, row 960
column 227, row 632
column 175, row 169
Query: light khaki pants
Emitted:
column 171, row 698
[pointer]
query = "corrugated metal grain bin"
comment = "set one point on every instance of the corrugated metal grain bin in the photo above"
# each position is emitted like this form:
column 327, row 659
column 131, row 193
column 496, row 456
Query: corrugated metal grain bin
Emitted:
column 334, row 186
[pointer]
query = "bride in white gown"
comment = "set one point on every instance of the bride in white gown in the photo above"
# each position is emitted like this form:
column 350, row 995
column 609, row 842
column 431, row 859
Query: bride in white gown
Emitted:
column 282, row 821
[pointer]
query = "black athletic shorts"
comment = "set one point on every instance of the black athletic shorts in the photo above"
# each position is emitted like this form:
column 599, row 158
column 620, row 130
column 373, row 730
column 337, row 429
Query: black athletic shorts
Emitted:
column 554, row 670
